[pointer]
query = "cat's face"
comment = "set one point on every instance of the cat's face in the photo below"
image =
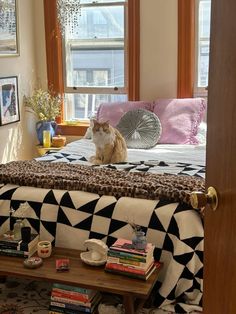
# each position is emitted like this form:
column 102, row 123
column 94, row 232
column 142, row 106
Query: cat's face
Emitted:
column 100, row 128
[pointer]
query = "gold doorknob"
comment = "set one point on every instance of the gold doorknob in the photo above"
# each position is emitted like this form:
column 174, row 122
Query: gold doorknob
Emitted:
column 199, row 199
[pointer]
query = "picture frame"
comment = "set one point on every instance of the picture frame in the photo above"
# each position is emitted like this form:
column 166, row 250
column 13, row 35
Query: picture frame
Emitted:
column 9, row 100
column 9, row 45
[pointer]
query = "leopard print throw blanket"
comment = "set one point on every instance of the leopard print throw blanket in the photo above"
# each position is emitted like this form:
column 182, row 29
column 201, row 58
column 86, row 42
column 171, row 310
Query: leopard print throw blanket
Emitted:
column 102, row 181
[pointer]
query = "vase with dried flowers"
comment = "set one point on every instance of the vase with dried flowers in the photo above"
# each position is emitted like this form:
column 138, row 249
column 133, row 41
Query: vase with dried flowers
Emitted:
column 139, row 239
column 46, row 106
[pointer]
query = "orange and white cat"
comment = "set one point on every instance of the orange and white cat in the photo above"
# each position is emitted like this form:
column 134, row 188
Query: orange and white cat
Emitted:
column 110, row 144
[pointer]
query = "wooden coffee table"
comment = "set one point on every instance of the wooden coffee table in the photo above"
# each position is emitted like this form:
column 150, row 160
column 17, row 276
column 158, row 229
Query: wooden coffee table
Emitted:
column 134, row 291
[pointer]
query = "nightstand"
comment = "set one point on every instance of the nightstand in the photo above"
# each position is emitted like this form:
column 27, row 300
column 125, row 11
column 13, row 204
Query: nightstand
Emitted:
column 43, row 150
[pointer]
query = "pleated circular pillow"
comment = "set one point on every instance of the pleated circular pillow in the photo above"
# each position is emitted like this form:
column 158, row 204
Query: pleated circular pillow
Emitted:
column 140, row 128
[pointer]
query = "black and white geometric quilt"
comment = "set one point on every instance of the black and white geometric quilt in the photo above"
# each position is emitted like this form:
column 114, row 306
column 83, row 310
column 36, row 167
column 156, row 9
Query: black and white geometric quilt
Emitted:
column 151, row 166
column 68, row 218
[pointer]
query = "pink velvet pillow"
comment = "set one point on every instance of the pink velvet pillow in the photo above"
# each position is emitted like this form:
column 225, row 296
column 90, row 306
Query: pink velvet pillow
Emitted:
column 113, row 111
column 180, row 119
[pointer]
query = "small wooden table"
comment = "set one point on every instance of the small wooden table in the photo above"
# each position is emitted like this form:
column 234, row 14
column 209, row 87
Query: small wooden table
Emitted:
column 82, row 275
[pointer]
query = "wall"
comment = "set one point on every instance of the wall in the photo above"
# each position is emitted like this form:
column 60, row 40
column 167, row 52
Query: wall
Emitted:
column 17, row 139
column 158, row 49
column 158, row 65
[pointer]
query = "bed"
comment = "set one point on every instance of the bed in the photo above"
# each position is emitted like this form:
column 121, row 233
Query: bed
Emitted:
column 72, row 207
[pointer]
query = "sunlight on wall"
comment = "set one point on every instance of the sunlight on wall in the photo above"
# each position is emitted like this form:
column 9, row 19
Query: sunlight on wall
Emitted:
column 13, row 141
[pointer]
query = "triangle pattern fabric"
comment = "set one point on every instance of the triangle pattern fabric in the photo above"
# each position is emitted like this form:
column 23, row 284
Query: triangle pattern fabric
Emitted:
column 155, row 223
column 7, row 195
column 89, row 207
column 184, row 258
column 193, row 241
column 36, row 206
column 62, row 218
column 95, row 235
column 85, row 224
column 116, row 225
column 67, row 201
column 173, row 227
column 50, row 198
column 106, row 211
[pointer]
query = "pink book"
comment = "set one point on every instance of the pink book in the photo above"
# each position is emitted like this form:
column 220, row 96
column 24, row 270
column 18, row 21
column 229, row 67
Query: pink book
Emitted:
column 125, row 245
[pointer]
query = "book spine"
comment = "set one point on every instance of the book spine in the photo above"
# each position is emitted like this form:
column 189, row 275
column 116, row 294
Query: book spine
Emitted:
column 15, row 253
column 70, row 306
column 128, row 269
column 12, row 245
column 130, row 251
column 131, row 275
column 69, row 301
column 72, row 288
column 72, row 296
column 123, row 261
column 137, row 276
column 125, row 255
column 57, row 310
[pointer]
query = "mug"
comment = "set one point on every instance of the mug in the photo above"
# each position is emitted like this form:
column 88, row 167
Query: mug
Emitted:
column 44, row 249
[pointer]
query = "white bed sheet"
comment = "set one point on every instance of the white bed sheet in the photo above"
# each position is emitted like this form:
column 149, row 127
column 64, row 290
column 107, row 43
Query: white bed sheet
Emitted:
column 193, row 154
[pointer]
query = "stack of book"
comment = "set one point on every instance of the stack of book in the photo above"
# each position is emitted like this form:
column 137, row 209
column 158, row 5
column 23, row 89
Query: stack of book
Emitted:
column 73, row 300
column 125, row 260
column 12, row 247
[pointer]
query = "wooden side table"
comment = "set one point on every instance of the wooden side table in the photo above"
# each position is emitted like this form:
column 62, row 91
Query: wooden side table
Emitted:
column 43, row 150
column 82, row 275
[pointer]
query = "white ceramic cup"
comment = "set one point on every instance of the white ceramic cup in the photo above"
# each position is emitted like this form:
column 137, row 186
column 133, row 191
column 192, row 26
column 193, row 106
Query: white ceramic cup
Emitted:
column 44, row 249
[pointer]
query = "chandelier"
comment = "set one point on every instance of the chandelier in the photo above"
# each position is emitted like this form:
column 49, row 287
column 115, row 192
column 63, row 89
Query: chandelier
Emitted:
column 68, row 14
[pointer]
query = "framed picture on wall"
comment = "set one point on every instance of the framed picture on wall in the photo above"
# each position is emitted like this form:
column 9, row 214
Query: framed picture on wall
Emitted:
column 8, row 28
column 9, row 102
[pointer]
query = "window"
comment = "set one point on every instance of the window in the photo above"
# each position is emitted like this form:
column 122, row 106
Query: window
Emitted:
column 203, row 13
column 99, row 61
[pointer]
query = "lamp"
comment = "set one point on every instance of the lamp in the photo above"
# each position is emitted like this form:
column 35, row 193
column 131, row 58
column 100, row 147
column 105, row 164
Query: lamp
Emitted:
column 68, row 13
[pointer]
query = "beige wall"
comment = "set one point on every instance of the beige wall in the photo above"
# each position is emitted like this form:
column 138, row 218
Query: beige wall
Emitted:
column 158, row 65
column 17, row 139
column 158, row 49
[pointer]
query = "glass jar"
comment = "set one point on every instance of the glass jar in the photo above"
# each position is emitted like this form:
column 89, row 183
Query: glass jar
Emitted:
column 17, row 229
column 139, row 240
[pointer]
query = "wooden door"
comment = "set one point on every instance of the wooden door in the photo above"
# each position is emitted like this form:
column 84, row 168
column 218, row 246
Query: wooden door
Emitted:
column 219, row 295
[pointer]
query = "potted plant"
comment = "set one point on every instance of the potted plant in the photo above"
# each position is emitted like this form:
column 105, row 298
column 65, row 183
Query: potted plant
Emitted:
column 46, row 106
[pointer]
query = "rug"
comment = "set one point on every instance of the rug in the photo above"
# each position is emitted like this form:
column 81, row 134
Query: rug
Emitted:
column 22, row 296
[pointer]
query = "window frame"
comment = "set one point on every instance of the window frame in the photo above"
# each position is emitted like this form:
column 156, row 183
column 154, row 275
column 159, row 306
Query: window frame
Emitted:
column 54, row 56
column 198, row 91
column 187, row 53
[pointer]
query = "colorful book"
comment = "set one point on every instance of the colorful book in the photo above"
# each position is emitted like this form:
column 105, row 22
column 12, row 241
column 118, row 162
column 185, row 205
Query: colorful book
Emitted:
column 129, row 269
column 154, row 267
column 124, row 245
column 11, row 243
column 18, row 253
column 133, row 264
column 81, row 305
column 74, row 295
column 86, row 291
column 129, row 256
column 61, row 304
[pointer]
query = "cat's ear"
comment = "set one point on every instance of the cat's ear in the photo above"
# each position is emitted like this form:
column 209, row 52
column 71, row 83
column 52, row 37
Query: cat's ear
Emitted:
column 107, row 122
